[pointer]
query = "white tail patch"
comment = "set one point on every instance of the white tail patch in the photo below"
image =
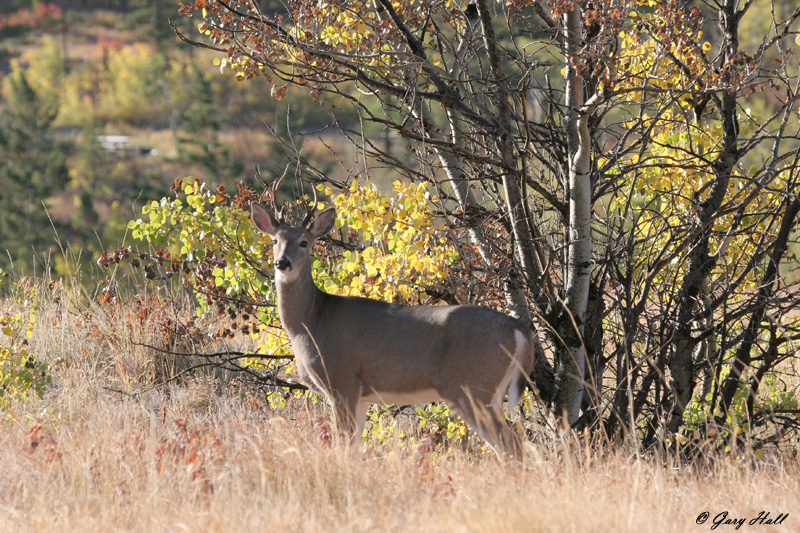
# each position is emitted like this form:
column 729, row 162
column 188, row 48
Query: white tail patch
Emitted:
column 512, row 382
column 515, row 389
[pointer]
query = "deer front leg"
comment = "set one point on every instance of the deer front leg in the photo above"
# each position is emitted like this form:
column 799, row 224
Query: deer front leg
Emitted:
column 349, row 416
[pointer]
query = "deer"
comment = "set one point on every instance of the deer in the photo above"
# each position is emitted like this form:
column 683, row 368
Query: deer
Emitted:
column 354, row 350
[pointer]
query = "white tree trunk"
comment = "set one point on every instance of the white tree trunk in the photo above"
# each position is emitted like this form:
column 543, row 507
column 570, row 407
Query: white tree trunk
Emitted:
column 579, row 232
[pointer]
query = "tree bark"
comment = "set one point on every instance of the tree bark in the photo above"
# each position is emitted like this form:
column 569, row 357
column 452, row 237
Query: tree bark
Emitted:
column 682, row 375
column 515, row 207
column 743, row 356
column 570, row 325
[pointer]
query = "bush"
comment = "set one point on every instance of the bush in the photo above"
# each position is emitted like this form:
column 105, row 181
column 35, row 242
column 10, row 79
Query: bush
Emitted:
column 21, row 371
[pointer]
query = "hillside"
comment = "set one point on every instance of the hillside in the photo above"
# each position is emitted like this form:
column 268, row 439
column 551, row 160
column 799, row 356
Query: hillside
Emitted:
column 116, row 69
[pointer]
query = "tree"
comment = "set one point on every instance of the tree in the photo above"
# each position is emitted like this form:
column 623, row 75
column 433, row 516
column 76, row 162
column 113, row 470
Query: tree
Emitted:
column 595, row 161
column 198, row 140
column 32, row 169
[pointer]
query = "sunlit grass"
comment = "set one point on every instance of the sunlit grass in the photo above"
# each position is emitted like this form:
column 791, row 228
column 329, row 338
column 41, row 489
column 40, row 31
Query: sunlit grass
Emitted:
column 204, row 454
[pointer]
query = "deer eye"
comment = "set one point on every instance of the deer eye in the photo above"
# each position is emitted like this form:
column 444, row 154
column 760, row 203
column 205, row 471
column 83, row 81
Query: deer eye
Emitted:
column 303, row 244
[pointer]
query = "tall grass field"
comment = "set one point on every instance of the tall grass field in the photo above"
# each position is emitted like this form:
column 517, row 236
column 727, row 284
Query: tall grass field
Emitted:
column 109, row 448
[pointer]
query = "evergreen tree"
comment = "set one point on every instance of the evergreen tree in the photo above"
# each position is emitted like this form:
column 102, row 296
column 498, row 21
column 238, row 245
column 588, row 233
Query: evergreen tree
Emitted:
column 198, row 142
column 32, row 168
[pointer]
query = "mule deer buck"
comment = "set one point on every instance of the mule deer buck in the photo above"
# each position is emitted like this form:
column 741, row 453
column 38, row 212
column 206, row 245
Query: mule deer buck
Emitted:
column 356, row 350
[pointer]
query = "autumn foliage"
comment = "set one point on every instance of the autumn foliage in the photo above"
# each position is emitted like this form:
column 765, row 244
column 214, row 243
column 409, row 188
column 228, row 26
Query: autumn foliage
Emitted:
column 629, row 165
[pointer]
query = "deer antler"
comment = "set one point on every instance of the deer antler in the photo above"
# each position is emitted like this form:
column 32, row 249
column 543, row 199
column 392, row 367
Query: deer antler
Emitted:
column 274, row 194
column 310, row 209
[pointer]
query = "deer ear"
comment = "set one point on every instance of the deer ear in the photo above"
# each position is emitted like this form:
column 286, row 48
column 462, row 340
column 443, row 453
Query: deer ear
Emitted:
column 323, row 223
column 263, row 220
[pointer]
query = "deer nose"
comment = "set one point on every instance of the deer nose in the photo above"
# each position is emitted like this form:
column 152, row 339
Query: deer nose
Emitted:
column 282, row 264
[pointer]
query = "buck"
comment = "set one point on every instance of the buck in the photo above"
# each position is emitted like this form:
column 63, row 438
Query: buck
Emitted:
column 357, row 350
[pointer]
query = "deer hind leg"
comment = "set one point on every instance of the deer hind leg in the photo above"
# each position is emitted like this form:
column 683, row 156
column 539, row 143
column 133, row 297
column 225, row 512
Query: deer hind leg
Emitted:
column 484, row 413
column 489, row 422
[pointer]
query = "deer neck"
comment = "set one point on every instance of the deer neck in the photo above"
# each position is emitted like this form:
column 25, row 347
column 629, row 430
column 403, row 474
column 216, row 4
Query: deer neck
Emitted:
column 299, row 301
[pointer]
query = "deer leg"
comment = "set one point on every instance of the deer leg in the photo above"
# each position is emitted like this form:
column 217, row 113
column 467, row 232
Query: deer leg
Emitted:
column 349, row 415
column 488, row 421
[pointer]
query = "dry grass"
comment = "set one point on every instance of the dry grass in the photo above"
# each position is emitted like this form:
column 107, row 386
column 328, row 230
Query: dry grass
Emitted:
column 201, row 456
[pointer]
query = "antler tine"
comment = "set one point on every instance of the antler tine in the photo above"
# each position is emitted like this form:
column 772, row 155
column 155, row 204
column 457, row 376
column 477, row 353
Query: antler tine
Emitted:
column 310, row 209
column 276, row 185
